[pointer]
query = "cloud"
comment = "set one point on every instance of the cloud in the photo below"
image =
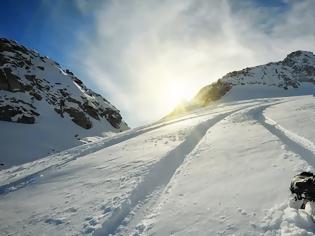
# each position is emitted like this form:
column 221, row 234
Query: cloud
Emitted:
column 143, row 51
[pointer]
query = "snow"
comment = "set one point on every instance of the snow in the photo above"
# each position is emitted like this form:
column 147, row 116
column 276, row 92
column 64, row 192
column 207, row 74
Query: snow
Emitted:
column 33, row 142
column 23, row 143
column 220, row 170
column 246, row 92
column 225, row 183
column 299, row 125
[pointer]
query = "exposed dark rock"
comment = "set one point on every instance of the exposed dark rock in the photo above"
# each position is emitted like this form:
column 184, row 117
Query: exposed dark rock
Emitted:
column 3, row 81
column 69, row 72
column 91, row 111
column 308, row 70
column 31, row 78
column 211, row 93
column 17, row 101
column 7, row 112
column 64, row 92
column 13, row 81
column 26, row 119
column 113, row 117
column 3, row 60
column 72, row 100
column 79, row 82
column 33, row 89
column 36, row 96
column 79, row 118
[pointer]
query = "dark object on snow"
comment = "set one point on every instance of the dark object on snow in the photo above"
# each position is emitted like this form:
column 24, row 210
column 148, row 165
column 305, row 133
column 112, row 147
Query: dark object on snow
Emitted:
column 303, row 187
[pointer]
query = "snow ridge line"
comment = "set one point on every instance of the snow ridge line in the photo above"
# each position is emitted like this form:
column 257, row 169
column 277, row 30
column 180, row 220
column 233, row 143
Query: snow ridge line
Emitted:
column 295, row 143
column 160, row 175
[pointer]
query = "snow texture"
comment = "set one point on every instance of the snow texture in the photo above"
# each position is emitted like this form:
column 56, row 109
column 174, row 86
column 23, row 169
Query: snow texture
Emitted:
column 221, row 170
column 224, row 169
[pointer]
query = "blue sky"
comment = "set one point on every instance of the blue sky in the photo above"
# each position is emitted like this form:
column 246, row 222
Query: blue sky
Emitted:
column 50, row 27
column 145, row 56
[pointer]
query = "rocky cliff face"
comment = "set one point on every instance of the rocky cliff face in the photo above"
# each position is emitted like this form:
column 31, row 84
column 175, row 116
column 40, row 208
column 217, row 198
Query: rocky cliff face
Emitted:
column 36, row 91
column 41, row 80
column 284, row 78
column 298, row 67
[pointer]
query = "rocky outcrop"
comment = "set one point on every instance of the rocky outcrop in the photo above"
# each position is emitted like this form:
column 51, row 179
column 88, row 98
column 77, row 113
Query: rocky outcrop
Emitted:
column 294, row 71
column 297, row 68
column 211, row 93
column 38, row 81
column 46, row 109
column 15, row 110
column 79, row 118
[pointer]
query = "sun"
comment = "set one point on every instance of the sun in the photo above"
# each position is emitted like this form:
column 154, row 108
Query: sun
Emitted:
column 178, row 93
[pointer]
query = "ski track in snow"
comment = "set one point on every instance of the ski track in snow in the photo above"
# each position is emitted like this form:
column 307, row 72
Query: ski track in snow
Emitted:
column 72, row 154
column 153, row 184
column 159, row 176
column 287, row 218
column 12, row 182
column 293, row 142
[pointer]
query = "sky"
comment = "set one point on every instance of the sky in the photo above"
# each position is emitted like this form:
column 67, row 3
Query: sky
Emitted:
column 146, row 56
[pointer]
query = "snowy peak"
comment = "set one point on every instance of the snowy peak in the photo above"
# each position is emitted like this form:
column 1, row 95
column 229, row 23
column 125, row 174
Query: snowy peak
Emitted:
column 300, row 58
column 293, row 76
column 37, row 80
column 296, row 68
column 38, row 98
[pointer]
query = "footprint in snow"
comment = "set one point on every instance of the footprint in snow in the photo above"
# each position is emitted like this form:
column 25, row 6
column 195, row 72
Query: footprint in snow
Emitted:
column 89, row 229
column 71, row 209
column 93, row 222
column 106, row 209
column 242, row 211
column 54, row 221
column 222, row 219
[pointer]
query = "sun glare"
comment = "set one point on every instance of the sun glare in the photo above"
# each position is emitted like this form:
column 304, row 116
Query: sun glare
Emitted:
column 178, row 93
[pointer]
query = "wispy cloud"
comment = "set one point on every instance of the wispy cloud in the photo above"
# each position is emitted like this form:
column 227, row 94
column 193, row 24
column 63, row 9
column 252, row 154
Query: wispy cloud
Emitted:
column 142, row 50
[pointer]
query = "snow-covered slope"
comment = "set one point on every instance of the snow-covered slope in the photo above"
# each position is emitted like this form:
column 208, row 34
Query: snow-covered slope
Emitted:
column 220, row 170
column 293, row 76
column 45, row 109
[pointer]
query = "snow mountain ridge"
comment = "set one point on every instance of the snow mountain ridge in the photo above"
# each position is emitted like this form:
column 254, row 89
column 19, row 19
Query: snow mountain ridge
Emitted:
column 293, row 76
column 46, row 109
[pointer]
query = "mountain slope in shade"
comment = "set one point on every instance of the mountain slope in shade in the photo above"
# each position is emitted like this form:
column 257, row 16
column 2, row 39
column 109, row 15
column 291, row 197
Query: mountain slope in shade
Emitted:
column 45, row 109
column 293, row 76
